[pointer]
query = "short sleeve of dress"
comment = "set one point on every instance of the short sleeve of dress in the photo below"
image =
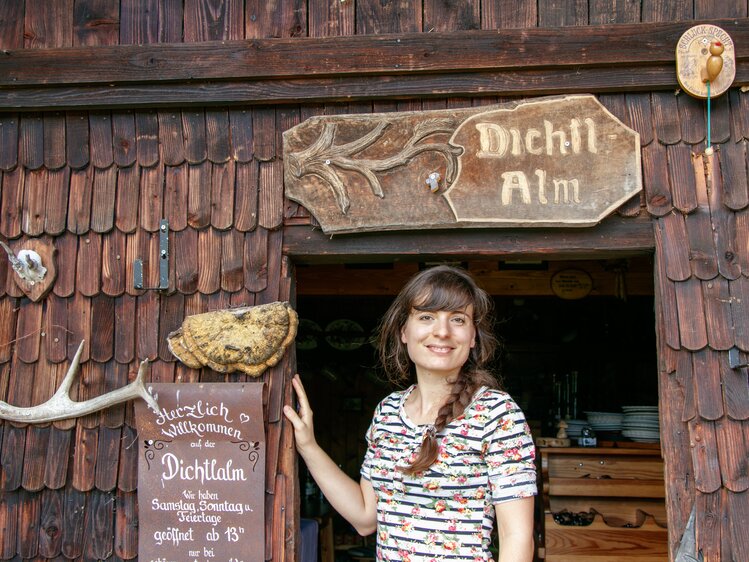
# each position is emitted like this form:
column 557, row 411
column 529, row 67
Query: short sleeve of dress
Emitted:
column 509, row 452
column 370, row 436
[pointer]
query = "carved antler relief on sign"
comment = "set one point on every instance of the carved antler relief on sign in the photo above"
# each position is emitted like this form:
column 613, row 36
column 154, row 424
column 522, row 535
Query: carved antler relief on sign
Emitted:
column 61, row 407
column 248, row 339
column 556, row 161
column 326, row 160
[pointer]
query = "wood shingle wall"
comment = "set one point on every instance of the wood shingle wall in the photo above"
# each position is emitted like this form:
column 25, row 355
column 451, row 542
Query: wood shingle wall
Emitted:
column 96, row 183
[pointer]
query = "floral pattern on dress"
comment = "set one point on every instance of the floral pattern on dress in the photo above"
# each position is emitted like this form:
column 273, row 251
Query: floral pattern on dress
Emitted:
column 445, row 514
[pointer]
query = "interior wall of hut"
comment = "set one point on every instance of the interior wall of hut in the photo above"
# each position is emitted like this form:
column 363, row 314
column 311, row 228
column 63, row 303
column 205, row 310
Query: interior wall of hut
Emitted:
column 558, row 357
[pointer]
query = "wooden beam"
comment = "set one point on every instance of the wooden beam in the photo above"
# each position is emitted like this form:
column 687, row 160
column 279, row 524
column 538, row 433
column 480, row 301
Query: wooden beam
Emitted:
column 536, row 61
column 363, row 55
column 614, row 237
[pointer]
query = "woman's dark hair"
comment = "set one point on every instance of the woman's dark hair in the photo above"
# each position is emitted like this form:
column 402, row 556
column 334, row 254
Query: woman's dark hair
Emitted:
column 440, row 288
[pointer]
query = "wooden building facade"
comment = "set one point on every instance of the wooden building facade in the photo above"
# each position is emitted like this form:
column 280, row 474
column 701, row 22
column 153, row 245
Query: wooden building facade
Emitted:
column 116, row 114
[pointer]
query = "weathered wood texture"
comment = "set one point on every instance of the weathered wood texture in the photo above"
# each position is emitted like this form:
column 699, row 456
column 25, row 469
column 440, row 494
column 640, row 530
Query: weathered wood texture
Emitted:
column 404, row 63
column 97, row 183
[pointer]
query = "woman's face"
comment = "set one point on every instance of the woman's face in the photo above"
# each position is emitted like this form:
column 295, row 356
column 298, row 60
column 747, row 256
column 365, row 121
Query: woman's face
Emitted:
column 439, row 342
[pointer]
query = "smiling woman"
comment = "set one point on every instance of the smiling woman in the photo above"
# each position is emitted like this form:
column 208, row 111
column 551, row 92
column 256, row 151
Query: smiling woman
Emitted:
column 449, row 453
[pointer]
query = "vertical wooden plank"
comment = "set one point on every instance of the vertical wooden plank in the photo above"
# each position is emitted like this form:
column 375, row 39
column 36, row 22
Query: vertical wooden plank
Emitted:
column 84, row 458
column 58, row 188
column 240, row 130
column 232, row 271
column 37, row 439
column 275, row 18
column 115, row 376
column 444, row 15
column 148, row 326
column 331, row 18
column 246, row 196
column 718, row 315
column 139, row 22
column 113, row 268
column 207, row 20
column 264, row 133
column 217, row 135
column 270, row 191
column 96, row 22
column 712, row 9
column 102, row 329
column 48, row 24
column 553, row 13
column 175, row 196
column 733, row 169
column 724, row 221
column 602, row 12
column 123, row 138
column 107, row 458
column 707, row 384
column 171, row 316
column 700, row 228
column 50, row 523
column 56, row 327
column 186, row 268
column 664, row 108
column 692, row 119
column 689, row 304
column 77, row 136
column 256, row 260
column 104, row 189
column 655, row 179
column 9, row 504
column 11, row 25
column 28, row 524
column 45, row 380
column 151, row 197
column 275, row 257
column 79, row 201
column 12, row 203
column 8, row 139
column 193, row 123
column 67, row 250
column 72, row 528
column 20, row 384
column 667, row 10
column 8, row 317
column 147, row 137
column 707, row 525
column 28, row 335
column 88, row 269
column 681, row 172
column 54, row 140
column 222, row 195
column 499, row 14
column 400, row 16
column 31, row 141
column 171, row 137
column 199, row 195
column 79, row 326
column 126, row 525
column 124, row 329
column 127, row 478
column 102, row 151
column 209, row 261
column 128, row 195
column 11, row 458
column 35, row 202
column 58, row 454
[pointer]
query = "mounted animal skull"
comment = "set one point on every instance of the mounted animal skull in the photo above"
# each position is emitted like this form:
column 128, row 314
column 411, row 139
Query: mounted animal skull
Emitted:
column 60, row 406
column 27, row 264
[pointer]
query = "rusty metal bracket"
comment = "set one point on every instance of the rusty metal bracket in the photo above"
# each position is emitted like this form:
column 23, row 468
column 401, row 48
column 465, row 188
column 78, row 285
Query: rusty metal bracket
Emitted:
column 163, row 262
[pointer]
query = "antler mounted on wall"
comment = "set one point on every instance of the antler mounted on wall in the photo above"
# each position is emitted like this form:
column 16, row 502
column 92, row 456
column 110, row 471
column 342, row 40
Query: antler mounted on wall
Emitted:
column 60, row 406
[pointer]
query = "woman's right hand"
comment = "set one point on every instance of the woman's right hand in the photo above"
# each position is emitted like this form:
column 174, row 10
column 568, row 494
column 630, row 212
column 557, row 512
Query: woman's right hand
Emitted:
column 301, row 419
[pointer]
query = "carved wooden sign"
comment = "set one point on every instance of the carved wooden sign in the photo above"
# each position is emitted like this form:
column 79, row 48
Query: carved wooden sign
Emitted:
column 558, row 161
column 201, row 474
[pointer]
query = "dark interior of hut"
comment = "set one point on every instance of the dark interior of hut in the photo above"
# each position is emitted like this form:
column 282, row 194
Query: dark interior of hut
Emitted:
column 558, row 358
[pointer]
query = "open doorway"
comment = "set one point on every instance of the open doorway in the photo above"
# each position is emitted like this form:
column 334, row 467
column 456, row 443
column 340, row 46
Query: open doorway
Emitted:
column 559, row 357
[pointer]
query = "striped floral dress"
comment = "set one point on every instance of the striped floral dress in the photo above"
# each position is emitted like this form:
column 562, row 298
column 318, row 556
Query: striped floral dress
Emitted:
column 486, row 456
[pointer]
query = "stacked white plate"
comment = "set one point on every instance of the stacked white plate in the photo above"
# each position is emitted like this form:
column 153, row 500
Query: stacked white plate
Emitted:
column 640, row 424
column 607, row 422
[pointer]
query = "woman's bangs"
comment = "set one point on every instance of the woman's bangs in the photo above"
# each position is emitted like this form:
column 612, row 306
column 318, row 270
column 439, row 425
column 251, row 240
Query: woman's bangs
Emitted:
column 441, row 297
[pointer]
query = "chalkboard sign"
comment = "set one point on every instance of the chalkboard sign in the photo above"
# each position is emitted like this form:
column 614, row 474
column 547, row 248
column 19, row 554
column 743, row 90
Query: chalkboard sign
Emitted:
column 201, row 471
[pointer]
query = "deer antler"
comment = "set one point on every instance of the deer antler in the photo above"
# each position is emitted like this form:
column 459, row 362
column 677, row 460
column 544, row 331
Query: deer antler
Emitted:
column 60, row 406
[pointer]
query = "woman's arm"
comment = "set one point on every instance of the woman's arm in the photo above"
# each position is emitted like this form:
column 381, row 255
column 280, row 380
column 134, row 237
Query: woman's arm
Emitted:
column 515, row 529
column 355, row 502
